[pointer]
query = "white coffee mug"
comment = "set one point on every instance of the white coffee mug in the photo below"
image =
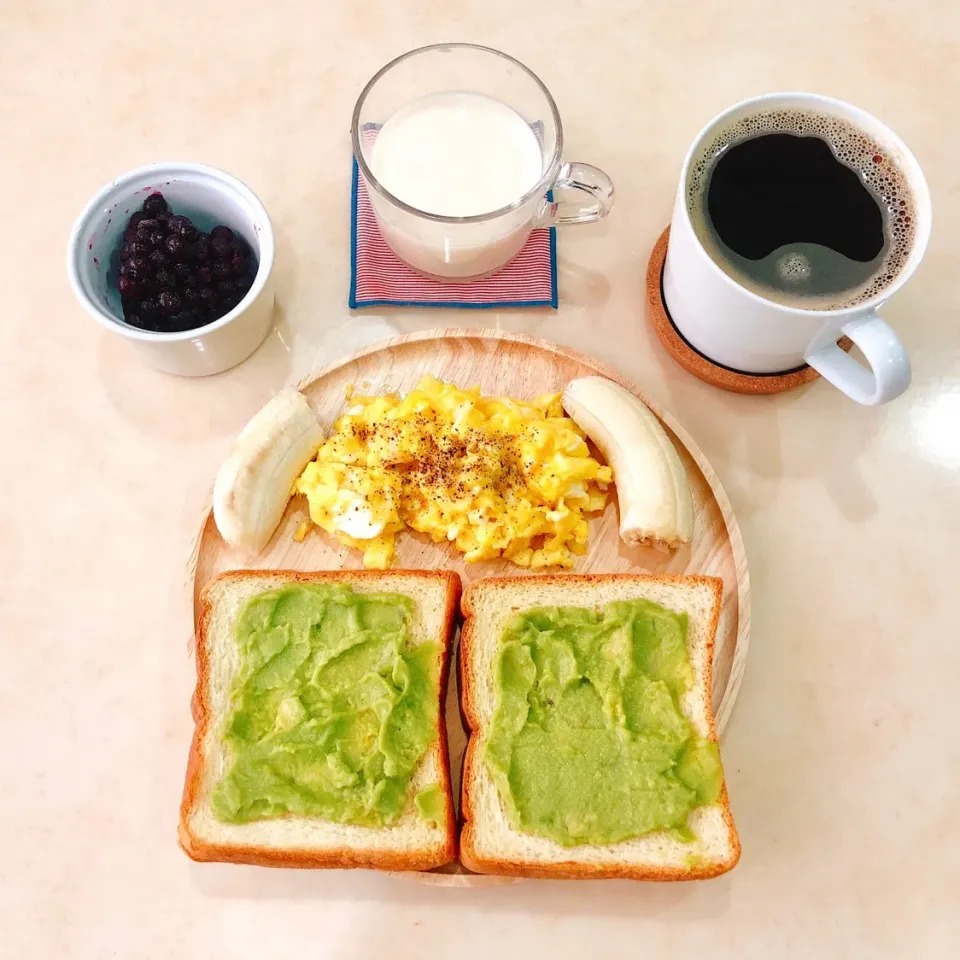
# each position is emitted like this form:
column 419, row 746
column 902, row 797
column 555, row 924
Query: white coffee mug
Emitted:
column 737, row 328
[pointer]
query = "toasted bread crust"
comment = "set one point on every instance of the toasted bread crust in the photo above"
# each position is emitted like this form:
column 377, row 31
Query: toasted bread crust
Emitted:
column 343, row 857
column 572, row 870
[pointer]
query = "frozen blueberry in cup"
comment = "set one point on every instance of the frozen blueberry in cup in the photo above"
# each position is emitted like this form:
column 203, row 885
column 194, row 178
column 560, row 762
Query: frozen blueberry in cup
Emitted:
column 175, row 277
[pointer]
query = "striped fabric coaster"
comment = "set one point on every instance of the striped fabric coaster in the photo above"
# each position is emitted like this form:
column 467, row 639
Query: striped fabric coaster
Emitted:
column 378, row 277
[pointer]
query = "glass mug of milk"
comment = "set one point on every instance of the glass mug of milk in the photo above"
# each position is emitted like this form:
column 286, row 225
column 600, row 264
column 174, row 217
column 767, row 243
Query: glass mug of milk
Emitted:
column 459, row 146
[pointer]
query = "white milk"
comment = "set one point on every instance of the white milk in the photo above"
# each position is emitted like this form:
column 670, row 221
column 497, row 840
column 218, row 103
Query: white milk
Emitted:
column 456, row 155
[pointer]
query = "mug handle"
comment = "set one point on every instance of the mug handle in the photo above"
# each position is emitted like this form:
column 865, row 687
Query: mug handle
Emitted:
column 585, row 179
column 888, row 373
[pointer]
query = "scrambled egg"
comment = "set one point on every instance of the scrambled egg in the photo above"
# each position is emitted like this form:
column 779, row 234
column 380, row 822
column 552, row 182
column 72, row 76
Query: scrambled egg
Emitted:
column 498, row 477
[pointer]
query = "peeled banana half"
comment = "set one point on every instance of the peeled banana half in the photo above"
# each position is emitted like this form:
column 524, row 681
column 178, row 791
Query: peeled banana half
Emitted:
column 652, row 486
column 255, row 482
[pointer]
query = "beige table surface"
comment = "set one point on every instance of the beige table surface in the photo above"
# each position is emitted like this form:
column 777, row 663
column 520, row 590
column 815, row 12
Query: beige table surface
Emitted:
column 843, row 757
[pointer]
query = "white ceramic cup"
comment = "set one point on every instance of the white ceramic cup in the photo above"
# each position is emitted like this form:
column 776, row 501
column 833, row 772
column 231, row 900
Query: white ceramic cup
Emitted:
column 207, row 196
column 739, row 329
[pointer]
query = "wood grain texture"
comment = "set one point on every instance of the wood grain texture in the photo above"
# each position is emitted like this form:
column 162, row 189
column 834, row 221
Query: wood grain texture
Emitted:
column 510, row 364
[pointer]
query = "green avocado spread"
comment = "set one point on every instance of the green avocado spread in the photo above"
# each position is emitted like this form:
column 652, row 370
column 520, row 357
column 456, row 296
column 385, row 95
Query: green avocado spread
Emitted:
column 331, row 708
column 431, row 801
column 588, row 743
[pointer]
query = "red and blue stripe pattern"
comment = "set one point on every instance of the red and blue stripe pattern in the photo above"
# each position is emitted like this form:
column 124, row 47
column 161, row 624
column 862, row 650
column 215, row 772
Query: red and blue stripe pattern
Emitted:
column 380, row 278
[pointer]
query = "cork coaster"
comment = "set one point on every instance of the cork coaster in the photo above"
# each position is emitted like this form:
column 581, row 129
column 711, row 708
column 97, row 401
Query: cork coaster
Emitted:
column 695, row 362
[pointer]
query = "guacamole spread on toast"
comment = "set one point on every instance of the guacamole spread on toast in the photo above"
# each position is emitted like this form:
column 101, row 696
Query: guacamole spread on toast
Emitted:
column 330, row 710
column 588, row 743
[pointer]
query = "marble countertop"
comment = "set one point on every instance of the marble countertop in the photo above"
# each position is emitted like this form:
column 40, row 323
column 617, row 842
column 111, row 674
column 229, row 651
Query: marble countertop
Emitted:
column 842, row 755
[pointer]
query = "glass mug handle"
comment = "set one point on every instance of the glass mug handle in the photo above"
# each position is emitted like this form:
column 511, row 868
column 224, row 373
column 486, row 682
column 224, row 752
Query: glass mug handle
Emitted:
column 888, row 373
column 596, row 196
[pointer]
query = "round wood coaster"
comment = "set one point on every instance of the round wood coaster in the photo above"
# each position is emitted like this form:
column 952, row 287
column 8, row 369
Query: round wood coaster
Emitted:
column 695, row 362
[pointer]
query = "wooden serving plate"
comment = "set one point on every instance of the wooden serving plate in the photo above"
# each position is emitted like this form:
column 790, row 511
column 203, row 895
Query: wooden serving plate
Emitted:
column 523, row 367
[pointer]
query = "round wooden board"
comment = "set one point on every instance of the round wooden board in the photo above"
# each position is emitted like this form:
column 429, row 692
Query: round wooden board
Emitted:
column 518, row 366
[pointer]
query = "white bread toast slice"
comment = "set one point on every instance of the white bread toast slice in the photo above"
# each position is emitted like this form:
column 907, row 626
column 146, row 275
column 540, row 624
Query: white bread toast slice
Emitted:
column 410, row 844
column 489, row 843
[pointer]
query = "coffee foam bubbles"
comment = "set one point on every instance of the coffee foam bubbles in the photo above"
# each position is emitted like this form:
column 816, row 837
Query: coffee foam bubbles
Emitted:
column 793, row 268
column 852, row 147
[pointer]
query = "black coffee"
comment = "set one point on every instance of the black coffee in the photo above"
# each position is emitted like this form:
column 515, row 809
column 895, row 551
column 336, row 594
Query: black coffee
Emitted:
column 801, row 208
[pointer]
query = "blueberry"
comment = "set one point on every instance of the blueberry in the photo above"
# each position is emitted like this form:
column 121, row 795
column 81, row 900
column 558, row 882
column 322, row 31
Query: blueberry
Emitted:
column 208, row 297
column 184, row 271
column 136, row 267
column 158, row 258
column 204, row 275
column 238, row 262
column 133, row 318
column 135, row 218
column 149, row 223
column 201, row 249
column 153, row 322
column 243, row 284
column 222, row 269
column 180, row 225
column 170, row 301
column 191, row 296
column 126, row 285
column 166, row 277
column 154, row 204
column 149, row 308
column 176, row 245
column 222, row 232
column 222, row 249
